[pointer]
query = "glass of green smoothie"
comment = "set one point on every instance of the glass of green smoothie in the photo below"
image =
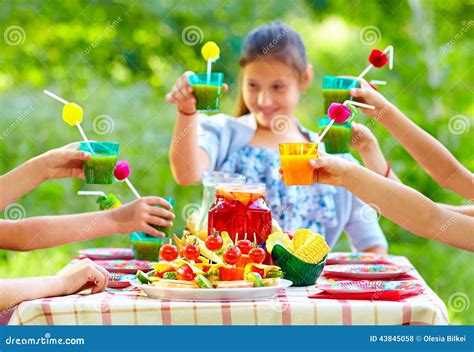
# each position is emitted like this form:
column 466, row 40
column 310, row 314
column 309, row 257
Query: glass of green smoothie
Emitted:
column 337, row 140
column 99, row 169
column 146, row 247
column 336, row 90
column 165, row 230
column 207, row 91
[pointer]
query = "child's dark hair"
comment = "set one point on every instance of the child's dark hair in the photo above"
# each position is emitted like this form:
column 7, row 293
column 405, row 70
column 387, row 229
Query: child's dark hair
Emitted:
column 274, row 40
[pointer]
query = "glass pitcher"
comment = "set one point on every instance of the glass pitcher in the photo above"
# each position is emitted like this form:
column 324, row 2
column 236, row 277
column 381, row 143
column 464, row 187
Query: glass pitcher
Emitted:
column 210, row 180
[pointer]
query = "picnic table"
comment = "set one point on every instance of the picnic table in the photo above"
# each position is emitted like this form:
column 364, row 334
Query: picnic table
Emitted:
column 291, row 307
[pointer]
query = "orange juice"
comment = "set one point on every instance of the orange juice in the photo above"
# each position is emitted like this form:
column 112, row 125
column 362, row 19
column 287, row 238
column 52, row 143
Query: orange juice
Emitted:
column 294, row 158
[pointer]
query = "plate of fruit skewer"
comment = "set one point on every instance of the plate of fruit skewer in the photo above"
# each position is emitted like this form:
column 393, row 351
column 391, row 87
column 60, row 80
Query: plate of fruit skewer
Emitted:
column 210, row 270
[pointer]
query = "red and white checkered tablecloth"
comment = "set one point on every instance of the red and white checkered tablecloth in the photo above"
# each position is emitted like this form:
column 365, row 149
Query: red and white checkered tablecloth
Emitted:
column 291, row 307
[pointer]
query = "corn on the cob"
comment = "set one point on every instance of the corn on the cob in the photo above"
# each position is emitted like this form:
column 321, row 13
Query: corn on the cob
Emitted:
column 280, row 238
column 300, row 237
column 313, row 250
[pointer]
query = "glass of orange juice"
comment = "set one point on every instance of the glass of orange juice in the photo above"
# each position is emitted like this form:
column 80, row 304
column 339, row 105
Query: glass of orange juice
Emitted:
column 294, row 159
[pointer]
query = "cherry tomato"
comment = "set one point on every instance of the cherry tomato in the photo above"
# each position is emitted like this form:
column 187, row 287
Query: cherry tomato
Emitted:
column 231, row 255
column 245, row 246
column 214, row 242
column 257, row 255
column 191, row 251
column 168, row 252
column 184, row 272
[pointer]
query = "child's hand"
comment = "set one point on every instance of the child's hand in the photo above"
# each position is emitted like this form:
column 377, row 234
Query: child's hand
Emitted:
column 368, row 95
column 139, row 215
column 63, row 162
column 362, row 138
column 328, row 169
column 182, row 94
column 82, row 275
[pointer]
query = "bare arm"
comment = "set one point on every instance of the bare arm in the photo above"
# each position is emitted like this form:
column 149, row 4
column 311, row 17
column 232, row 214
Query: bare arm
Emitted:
column 430, row 154
column 403, row 205
column 364, row 141
column 56, row 163
column 77, row 277
column 49, row 231
column 463, row 209
column 19, row 182
column 188, row 161
column 14, row 291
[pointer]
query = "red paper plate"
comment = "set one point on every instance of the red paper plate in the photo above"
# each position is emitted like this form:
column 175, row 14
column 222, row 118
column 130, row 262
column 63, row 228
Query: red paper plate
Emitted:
column 344, row 287
column 107, row 253
column 120, row 280
column 366, row 271
column 354, row 258
column 124, row 266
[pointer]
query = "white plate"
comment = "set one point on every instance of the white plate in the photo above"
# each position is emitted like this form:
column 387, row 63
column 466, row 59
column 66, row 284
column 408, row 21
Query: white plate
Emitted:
column 212, row 294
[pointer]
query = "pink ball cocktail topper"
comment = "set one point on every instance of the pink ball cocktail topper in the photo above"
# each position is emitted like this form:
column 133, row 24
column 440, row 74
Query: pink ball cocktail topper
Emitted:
column 122, row 170
column 339, row 113
column 121, row 173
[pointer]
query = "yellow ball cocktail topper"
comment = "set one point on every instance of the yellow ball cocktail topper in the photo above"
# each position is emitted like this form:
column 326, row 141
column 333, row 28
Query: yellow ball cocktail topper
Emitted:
column 72, row 114
column 210, row 51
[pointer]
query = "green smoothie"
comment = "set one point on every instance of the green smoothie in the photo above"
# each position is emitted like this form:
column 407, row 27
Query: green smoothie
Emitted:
column 145, row 250
column 335, row 96
column 207, row 90
column 207, row 97
column 337, row 140
column 337, row 90
column 165, row 230
column 99, row 169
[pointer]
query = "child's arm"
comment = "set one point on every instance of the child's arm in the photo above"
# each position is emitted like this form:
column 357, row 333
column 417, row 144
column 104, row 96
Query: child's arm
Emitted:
column 430, row 154
column 72, row 279
column 188, row 161
column 403, row 205
column 369, row 150
column 49, row 231
column 463, row 209
column 57, row 163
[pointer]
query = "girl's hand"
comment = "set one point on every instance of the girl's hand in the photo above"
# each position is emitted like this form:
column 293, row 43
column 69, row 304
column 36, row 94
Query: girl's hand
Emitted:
column 82, row 275
column 139, row 215
column 368, row 95
column 330, row 170
column 182, row 94
column 63, row 162
column 363, row 139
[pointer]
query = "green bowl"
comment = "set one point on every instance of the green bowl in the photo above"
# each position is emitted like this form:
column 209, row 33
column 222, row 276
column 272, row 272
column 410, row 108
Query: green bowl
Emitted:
column 296, row 270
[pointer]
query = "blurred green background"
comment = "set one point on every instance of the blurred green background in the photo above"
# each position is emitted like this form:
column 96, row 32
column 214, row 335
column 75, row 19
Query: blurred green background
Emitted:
column 118, row 59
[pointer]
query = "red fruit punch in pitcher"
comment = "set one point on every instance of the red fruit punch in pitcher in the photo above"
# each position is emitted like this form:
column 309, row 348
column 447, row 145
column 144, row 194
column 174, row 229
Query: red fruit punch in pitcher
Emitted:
column 241, row 209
